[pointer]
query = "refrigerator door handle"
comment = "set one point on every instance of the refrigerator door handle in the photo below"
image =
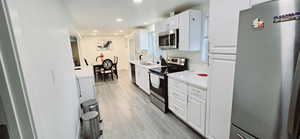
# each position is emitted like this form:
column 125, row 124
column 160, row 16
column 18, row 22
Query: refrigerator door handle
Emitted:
column 294, row 121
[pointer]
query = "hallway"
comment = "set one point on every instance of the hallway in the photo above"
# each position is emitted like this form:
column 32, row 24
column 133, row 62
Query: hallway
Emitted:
column 128, row 114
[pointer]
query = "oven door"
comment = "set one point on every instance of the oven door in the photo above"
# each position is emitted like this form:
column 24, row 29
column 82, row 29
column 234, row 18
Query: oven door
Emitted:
column 157, row 85
column 158, row 89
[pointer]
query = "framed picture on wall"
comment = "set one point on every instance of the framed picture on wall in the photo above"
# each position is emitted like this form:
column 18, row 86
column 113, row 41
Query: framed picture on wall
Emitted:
column 104, row 45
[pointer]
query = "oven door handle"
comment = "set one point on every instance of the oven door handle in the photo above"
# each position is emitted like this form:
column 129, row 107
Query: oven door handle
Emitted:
column 160, row 76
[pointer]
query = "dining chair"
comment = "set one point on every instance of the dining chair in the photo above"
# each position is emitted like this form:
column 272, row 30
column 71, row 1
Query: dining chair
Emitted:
column 107, row 69
column 115, row 66
column 98, row 72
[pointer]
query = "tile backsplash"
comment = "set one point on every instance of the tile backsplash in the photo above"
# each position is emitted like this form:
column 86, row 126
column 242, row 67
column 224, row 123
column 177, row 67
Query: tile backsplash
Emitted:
column 195, row 62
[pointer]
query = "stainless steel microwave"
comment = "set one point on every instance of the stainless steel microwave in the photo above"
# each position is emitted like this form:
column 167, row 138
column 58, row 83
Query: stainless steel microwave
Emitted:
column 169, row 39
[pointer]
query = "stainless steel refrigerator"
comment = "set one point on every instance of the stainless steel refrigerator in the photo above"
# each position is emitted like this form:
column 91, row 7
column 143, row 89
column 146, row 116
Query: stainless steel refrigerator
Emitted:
column 266, row 102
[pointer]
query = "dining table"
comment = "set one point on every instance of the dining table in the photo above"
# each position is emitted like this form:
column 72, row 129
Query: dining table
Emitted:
column 99, row 66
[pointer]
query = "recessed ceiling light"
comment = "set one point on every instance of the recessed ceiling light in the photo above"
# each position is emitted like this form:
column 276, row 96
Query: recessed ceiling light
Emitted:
column 146, row 23
column 137, row 1
column 119, row 20
column 95, row 31
column 121, row 31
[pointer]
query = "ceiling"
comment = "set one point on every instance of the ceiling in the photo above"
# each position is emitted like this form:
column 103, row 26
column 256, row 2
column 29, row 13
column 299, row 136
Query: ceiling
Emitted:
column 101, row 15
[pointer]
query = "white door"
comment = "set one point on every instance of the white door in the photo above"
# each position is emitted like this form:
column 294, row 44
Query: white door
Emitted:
column 12, row 95
column 220, row 93
column 196, row 114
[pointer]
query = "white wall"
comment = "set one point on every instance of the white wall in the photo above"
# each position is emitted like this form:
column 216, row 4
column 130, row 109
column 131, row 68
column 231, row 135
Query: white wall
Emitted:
column 42, row 39
column 119, row 49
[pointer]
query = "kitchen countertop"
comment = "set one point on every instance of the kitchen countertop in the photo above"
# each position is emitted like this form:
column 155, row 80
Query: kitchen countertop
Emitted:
column 138, row 63
column 190, row 78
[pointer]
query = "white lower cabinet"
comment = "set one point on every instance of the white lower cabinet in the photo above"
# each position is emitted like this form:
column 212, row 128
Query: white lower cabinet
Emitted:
column 87, row 88
column 196, row 114
column 188, row 103
column 142, row 78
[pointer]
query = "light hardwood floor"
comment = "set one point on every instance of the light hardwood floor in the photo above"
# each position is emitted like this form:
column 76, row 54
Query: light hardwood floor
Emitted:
column 128, row 113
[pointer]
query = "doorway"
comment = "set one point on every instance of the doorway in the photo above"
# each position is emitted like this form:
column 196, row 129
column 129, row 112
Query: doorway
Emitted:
column 75, row 51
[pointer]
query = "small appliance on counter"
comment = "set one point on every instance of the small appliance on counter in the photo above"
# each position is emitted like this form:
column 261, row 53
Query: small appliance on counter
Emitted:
column 159, row 80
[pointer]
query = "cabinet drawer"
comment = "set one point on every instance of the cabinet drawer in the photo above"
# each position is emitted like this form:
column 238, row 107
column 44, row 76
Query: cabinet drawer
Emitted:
column 180, row 112
column 177, row 84
column 180, row 96
column 178, row 90
column 197, row 93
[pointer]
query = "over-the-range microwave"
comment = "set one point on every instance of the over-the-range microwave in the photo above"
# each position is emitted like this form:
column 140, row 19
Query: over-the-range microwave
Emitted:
column 169, row 39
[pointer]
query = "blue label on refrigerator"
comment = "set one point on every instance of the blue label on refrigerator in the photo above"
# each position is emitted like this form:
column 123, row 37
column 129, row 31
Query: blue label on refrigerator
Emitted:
column 287, row 17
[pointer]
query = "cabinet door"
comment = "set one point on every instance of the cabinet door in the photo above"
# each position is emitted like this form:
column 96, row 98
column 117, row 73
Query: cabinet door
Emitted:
column 196, row 114
column 172, row 22
column 255, row 2
column 220, row 93
column 183, row 24
column 145, row 79
column 180, row 108
column 223, row 22
column 138, row 75
column 87, row 88
column 171, row 101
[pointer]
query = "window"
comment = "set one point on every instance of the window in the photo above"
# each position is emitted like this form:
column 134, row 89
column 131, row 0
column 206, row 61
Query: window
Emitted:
column 205, row 45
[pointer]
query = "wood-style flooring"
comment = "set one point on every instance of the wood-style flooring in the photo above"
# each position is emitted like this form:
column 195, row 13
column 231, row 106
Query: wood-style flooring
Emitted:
column 128, row 113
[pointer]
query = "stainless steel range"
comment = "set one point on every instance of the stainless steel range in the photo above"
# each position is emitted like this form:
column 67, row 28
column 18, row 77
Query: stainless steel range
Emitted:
column 159, row 80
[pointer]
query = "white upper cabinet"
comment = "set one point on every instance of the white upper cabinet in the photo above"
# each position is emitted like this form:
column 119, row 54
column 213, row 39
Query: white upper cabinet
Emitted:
column 190, row 26
column 190, row 30
column 223, row 23
column 255, row 2
column 160, row 27
column 172, row 23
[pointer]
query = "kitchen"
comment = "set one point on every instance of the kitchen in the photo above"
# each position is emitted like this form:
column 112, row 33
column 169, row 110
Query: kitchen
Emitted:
column 192, row 69
column 154, row 52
